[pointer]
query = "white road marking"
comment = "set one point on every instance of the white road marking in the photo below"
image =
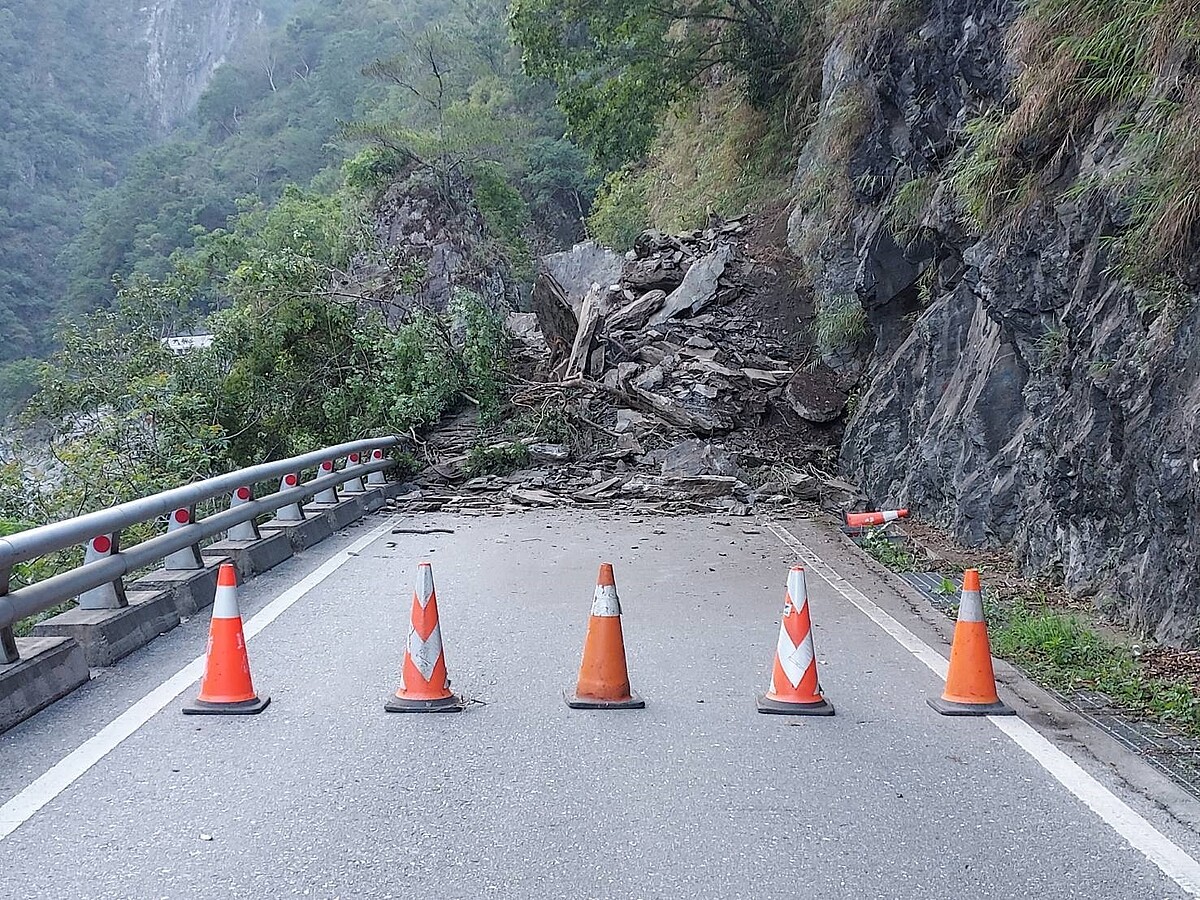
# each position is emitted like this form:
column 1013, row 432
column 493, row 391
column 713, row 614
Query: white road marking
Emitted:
column 1137, row 831
column 17, row 811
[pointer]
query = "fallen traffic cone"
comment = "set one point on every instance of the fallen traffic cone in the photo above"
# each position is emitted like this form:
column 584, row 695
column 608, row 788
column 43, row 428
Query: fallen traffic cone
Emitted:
column 970, row 681
column 603, row 676
column 871, row 519
column 424, row 684
column 226, row 688
column 795, row 689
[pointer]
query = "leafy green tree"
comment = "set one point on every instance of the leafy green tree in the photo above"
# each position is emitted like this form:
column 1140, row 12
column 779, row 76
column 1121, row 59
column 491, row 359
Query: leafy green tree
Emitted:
column 559, row 181
column 618, row 64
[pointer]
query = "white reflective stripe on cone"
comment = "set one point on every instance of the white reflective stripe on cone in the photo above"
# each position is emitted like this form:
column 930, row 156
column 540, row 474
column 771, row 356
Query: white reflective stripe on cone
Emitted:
column 970, row 607
column 225, row 606
column 797, row 589
column 606, row 603
column 424, row 586
column 425, row 653
column 794, row 659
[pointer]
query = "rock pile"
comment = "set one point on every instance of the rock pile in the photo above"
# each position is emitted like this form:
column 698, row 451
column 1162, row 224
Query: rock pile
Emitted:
column 675, row 392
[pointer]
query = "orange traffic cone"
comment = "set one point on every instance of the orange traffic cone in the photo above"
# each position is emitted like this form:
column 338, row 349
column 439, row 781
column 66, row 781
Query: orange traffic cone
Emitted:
column 970, row 681
column 226, row 688
column 871, row 519
column 603, row 677
column 424, row 684
column 795, row 688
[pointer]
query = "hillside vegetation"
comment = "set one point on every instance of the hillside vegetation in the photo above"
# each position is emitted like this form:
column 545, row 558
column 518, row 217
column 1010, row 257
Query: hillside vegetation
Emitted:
column 363, row 104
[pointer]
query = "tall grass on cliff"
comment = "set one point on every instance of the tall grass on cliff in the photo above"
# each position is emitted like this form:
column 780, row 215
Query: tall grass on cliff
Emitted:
column 1126, row 71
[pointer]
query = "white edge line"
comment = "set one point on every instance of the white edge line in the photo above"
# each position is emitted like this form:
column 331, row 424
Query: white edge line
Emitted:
column 17, row 811
column 1174, row 862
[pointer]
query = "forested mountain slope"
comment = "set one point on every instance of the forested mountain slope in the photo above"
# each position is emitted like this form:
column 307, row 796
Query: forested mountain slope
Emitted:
column 83, row 86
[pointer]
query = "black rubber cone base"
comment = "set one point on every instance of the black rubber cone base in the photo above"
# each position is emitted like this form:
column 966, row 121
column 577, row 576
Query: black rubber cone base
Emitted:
column 451, row 704
column 576, row 702
column 950, row 708
column 248, row 708
column 776, row 708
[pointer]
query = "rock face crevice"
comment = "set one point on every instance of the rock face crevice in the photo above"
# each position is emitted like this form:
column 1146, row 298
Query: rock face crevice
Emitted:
column 1016, row 389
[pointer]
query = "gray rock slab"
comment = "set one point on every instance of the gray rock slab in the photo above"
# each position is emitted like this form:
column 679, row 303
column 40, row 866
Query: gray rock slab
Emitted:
column 584, row 265
column 699, row 286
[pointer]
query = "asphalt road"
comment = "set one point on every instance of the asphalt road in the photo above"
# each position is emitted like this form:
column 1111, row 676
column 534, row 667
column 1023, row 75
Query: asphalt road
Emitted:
column 325, row 795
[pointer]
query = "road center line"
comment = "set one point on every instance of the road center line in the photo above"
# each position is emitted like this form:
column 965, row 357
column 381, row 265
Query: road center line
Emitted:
column 71, row 767
column 1118, row 815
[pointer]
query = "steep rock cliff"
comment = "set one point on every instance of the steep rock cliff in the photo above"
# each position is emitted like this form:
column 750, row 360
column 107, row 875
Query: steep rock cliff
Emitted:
column 1014, row 386
column 185, row 43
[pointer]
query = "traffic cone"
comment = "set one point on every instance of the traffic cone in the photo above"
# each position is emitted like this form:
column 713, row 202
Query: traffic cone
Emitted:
column 424, row 684
column 795, row 689
column 226, row 688
column 970, row 681
column 603, row 676
column 871, row 519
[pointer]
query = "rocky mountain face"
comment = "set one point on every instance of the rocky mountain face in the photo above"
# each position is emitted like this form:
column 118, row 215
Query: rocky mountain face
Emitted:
column 431, row 240
column 185, row 44
column 1012, row 386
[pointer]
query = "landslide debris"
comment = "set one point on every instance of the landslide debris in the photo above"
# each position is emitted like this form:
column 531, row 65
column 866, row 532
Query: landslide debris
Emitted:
column 689, row 383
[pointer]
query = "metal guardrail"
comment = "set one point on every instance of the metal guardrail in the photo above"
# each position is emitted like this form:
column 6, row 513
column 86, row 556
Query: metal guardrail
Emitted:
column 37, row 542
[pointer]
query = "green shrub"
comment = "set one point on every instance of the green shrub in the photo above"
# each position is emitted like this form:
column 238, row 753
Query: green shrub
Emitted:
column 506, row 215
column 621, row 211
column 373, row 169
column 498, row 460
column 893, row 555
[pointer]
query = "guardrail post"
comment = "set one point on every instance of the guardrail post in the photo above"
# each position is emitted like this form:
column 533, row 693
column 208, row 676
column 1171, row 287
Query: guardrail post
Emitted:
column 355, row 484
column 107, row 596
column 244, row 531
column 188, row 557
column 330, row 494
column 8, row 640
column 377, row 479
column 293, row 512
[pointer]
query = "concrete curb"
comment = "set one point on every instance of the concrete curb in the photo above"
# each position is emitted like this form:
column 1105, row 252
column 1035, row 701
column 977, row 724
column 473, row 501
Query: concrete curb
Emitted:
column 253, row 557
column 49, row 669
column 301, row 535
column 106, row 635
column 193, row 589
column 340, row 514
